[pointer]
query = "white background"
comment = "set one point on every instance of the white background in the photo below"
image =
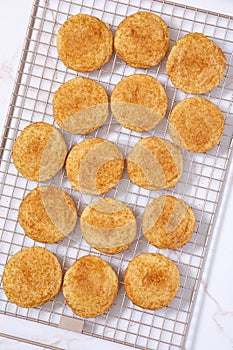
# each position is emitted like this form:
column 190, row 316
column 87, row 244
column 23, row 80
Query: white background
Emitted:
column 215, row 319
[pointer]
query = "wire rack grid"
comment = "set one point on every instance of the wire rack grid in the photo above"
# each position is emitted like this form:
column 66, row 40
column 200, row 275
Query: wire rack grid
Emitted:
column 40, row 74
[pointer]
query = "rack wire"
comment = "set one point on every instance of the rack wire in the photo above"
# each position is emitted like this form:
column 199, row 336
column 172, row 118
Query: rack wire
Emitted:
column 40, row 73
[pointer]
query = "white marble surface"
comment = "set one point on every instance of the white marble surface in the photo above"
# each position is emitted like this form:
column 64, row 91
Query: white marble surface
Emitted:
column 215, row 319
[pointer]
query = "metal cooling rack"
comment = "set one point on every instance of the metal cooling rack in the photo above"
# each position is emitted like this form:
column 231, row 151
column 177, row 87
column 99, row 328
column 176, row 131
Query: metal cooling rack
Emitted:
column 40, row 74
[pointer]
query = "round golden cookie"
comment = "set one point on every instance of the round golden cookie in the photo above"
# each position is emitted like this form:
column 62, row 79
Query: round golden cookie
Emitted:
column 196, row 124
column 168, row 222
column 32, row 277
column 139, row 102
column 90, row 286
column 196, row 64
column 151, row 281
column 47, row 214
column 80, row 106
column 94, row 166
column 108, row 225
column 142, row 40
column 39, row 152
column 84, row 43
column 154, row 164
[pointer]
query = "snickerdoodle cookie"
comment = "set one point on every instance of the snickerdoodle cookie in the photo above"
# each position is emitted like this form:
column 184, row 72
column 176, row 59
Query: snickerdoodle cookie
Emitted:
column 39, row 152
column 168, row 222
column 108, row 225
column 196, row 64
column 154, row 163
column 94, row 166
column 196, row 124
column 139, row 102
column 84, row 43
column 151, row 281
column 90, row 286
column 80, row 106
column 47, row 214
column 142, row 40
column 32, row 277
